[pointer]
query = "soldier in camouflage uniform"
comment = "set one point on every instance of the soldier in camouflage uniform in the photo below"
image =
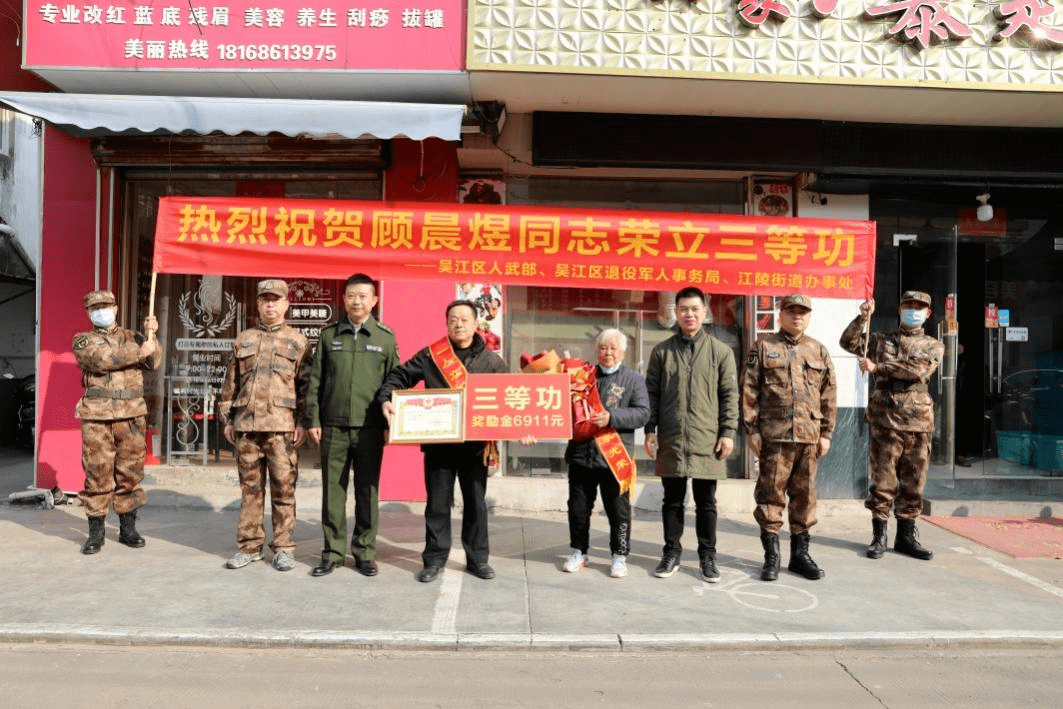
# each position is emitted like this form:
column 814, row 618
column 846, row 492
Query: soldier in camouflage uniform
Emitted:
column 901, row 414
column 263, row 405
column 789, row 406
column 113, row 417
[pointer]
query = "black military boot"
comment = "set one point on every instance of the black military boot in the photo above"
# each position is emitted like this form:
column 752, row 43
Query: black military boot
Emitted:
column 906, row 542
column 800, row 562
column 770, row 570
column 95, row 540
column 127, row 530
column 878, row 544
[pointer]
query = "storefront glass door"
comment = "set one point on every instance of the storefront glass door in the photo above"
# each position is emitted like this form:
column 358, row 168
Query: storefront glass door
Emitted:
column 1023, row 340
column 998, row 307
column 927, row 261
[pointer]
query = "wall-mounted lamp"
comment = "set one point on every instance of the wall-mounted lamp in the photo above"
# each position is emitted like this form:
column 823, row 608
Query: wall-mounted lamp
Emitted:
column 984, row 213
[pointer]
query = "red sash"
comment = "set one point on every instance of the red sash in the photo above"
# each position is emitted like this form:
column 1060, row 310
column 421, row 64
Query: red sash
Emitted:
column 585, row 404
column 620, row 462
column 445, row 359
column 448, row 363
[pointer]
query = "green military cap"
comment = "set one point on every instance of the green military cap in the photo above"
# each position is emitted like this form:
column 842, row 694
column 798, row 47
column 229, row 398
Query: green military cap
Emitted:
column 797, row 300
column 917, row 296
column 273, row 286
column 99, row 297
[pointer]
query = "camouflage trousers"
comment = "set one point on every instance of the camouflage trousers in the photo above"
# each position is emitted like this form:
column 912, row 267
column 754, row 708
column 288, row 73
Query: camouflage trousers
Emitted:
column 786, row 470
column 258, row 454
column 112, row 454
column 899, row 461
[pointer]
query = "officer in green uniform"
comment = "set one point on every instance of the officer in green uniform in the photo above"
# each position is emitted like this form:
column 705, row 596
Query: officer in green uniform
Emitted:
column 353, row 356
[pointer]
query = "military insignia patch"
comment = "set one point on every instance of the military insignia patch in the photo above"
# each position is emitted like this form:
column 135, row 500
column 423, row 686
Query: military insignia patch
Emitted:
column 752, row 358
column 81, row 343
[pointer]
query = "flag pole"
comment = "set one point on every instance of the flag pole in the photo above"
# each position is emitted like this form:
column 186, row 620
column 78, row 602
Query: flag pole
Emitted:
column 151, row 299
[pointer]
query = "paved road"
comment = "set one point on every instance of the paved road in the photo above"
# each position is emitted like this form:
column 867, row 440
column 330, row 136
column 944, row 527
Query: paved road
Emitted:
column 151, row 676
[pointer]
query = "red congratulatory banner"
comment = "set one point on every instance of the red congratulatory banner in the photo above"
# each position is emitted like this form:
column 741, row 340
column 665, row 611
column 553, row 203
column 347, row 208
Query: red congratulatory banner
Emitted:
column 589, row 248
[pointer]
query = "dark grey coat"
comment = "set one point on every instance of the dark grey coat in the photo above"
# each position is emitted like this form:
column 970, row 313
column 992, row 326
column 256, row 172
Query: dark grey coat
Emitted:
column 623, row 393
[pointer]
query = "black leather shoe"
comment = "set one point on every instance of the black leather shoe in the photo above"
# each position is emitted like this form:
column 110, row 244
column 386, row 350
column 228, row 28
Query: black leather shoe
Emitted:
column 366, row 568
column 324, row 568
column 482, row 571
column 429, row 573
column 669, row 563
column 708, row 569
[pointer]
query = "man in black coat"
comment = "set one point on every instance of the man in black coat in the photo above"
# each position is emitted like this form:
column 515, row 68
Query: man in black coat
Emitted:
column 443, row 462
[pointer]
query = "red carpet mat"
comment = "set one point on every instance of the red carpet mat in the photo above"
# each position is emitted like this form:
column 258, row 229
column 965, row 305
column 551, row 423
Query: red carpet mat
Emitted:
column 1022, row 537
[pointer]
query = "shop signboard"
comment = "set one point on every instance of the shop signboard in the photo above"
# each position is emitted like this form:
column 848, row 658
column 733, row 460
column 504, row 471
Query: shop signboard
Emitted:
column 516, row 245
column 245, row 35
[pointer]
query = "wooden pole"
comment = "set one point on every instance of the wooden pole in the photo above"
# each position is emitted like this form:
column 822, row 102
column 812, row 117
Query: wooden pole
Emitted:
column 151, row 300
column 867, row 334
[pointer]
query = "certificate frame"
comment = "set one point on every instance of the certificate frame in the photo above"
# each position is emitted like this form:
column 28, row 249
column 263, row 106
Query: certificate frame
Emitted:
column 428, row 416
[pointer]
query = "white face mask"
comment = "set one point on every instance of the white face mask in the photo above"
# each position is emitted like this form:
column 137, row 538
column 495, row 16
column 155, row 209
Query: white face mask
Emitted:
column 913, row 318
column 102, row 317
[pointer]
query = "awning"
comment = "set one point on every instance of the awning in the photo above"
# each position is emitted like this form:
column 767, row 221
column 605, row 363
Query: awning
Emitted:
column 92, row 114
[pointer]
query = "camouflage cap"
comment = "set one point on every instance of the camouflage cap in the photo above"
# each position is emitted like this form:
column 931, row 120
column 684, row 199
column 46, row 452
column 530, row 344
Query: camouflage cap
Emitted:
column 273, row 286
column 99, row 297
column 917, row 296
column 797, row 300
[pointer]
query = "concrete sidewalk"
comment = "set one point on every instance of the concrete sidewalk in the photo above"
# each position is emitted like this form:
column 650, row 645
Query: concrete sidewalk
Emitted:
column 177, row 591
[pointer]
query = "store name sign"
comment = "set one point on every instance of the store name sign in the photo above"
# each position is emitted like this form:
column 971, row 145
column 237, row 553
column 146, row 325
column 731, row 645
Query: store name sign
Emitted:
column 246, row 34
column 589, row 248
column 923, row 22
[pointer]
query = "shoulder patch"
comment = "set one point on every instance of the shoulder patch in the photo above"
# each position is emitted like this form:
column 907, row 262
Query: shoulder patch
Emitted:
column 752, row 360
column 81, row 342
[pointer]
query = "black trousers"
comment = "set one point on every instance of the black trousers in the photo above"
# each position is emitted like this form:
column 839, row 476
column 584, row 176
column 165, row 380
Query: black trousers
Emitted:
column 672, row 514
column 583, row 484
column 441, row 467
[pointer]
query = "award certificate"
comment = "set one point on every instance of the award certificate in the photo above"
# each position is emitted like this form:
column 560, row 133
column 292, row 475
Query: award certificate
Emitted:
column 428, row 416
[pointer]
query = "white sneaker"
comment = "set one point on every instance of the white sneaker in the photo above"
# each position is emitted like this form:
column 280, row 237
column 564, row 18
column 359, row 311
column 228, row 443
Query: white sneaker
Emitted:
column 619, row 568
column 574, row 563
column 283, row 561
column 241, row 559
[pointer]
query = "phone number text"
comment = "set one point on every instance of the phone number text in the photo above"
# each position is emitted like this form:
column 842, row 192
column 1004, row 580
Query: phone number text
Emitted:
column 277, row 52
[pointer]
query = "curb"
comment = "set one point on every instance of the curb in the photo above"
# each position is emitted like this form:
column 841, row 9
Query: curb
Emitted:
column 460, row 642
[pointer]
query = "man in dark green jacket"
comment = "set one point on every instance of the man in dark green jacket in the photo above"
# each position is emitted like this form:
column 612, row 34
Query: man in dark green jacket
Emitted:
column 693, row 387
column 353, row 356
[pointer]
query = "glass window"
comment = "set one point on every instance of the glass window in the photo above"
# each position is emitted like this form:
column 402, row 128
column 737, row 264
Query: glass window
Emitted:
column 567, row 320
